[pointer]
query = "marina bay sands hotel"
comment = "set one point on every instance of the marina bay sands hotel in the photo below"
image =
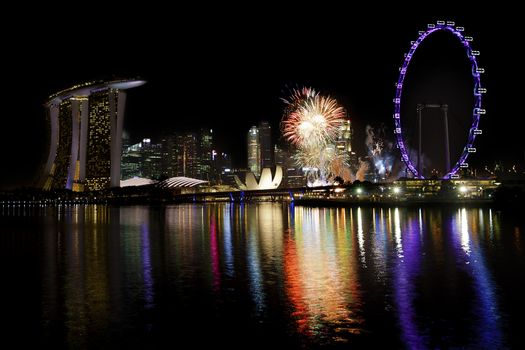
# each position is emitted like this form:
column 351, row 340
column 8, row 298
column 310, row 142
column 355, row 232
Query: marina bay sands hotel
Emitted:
column 85, row 146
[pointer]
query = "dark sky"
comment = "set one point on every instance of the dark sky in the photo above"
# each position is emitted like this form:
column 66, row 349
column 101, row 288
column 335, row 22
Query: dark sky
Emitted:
column 227, row 69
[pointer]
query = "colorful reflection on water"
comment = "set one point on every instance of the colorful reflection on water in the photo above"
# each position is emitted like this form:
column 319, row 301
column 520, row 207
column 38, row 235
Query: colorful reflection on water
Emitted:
column 278, row 274
column 321, row 255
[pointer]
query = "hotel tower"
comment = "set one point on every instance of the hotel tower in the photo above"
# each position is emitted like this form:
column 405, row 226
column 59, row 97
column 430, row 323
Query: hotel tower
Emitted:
column 85, row 146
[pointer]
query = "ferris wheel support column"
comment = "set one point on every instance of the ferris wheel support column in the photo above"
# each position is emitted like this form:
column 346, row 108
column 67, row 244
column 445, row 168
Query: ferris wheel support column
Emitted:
column 420, row 138
column 444, row 108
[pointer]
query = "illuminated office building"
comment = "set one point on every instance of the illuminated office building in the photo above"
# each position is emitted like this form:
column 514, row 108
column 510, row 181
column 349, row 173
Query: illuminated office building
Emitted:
column 205, row 155
column 254, row 151
column 344, row 138
column 187, row 155
column 143, row 160
column 131, row 161
column 85, row 147
column 266, row 147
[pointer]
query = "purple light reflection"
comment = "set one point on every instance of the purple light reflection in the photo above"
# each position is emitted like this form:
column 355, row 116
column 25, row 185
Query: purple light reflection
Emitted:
column 214, row 251
column 486, row 307
column 146, row 267
column 406, row 270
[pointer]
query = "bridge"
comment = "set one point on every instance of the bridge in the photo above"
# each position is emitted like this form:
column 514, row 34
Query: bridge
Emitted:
column 280, row 194
column 400, row 190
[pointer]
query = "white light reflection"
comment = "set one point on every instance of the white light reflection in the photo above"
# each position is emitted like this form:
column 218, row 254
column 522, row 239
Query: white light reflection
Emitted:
column 397, row 233
column 360, row 238
column 465, row 239
column 254, row 260
column 491, row 225
column 228, row 246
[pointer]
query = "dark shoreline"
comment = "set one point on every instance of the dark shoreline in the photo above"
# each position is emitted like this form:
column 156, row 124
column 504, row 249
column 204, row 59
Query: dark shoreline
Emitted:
column 299, row 202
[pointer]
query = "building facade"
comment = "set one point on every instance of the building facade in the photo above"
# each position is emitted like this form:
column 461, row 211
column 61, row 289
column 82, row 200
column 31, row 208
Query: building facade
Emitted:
column 344, row 138
column 86, row 136
column 131, row 163
column 206, row 155
column 187, row 155
column 254, row 151
column 143, row 160
column 266, row 147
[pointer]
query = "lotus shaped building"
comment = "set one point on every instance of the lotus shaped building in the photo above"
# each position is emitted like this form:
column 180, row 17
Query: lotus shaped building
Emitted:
column 266, row 181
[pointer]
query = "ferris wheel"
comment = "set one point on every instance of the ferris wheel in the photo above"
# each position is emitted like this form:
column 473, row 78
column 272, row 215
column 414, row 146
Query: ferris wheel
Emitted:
column 477, row 111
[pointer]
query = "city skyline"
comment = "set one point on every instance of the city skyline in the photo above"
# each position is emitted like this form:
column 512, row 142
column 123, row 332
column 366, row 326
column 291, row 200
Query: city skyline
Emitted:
column 216, row 79
column 256, row 175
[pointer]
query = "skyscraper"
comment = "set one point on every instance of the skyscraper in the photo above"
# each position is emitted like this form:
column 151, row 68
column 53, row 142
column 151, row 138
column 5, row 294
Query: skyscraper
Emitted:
column 292, row 174
column 266, row 148
column 169, row 155
column 222, row 163
column 86, row 136
column 131, row 161
column 151, row 167
column 254, row 151
column 205, row 154
column 143, row 159
column 187, row 160
column 344, row 139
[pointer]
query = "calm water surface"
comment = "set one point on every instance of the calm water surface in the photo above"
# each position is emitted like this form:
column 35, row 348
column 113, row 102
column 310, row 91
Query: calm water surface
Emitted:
column 261, row 275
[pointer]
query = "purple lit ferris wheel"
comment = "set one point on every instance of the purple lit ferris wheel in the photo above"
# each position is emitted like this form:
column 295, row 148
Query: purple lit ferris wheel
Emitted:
column 478, row 91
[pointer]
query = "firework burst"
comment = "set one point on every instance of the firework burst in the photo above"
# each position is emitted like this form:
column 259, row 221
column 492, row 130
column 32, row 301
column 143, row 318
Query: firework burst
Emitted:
column 297, row 97
column 314, row 121
column 320, row 159
column 311, row 123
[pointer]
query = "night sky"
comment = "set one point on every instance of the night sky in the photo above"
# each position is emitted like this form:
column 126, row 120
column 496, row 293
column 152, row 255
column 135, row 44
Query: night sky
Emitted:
column 227, row 72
